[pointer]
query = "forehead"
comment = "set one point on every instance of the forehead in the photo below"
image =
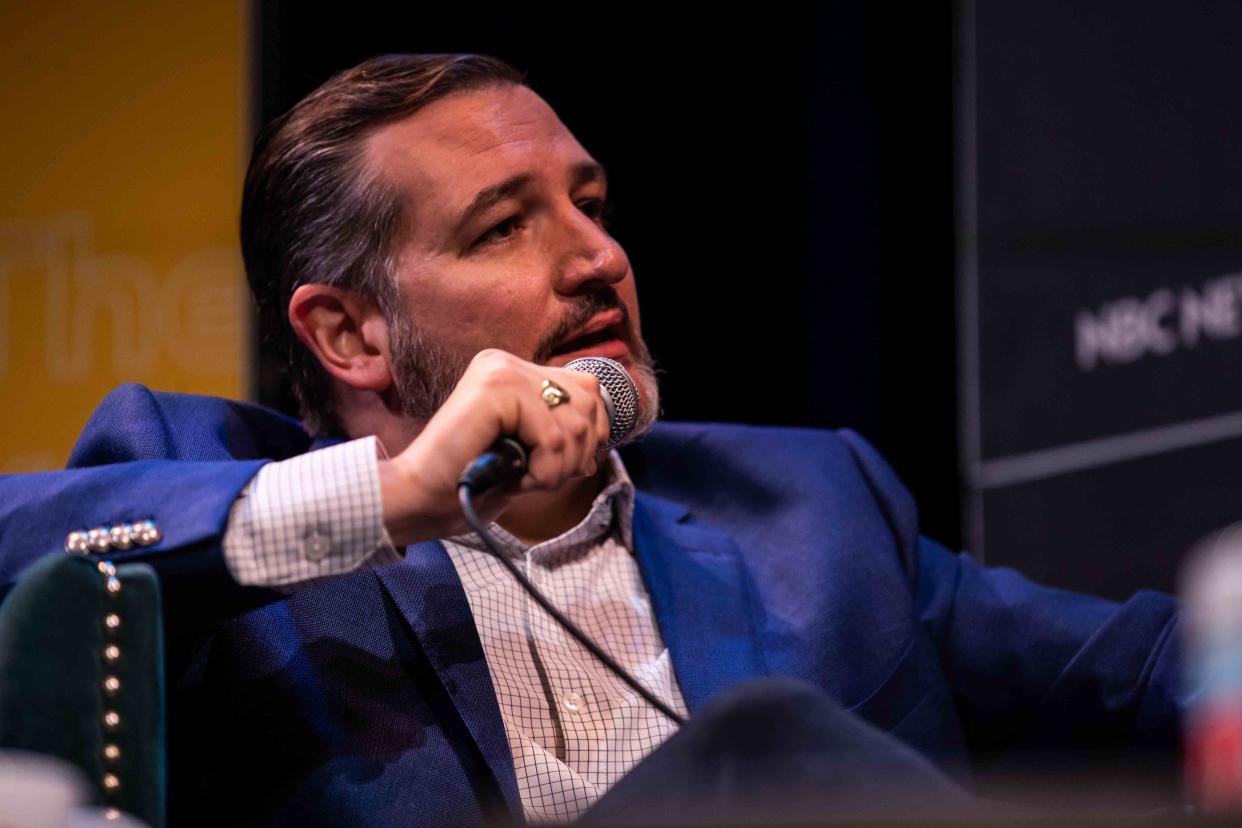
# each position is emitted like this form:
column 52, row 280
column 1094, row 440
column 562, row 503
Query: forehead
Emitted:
column 446, row 152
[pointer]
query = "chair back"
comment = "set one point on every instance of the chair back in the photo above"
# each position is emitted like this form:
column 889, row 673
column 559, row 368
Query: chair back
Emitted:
column 82, row 676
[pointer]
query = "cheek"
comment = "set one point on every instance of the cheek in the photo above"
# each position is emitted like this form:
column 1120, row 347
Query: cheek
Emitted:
column 475, row 313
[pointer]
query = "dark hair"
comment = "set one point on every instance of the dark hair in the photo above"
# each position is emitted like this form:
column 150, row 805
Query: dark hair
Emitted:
column 311, row 212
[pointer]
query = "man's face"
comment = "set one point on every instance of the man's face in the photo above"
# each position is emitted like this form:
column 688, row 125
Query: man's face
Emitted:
column 505, row 245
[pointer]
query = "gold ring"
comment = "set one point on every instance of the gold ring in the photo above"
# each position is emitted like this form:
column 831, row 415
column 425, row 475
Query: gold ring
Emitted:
column 553, row 395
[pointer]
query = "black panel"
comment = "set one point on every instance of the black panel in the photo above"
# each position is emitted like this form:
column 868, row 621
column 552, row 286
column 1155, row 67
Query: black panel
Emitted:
column 1117, row 528
column 1108, row 168
column 1109, row 215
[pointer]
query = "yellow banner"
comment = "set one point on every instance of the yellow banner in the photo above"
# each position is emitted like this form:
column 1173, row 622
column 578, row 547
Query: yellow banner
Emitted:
column 123, row 144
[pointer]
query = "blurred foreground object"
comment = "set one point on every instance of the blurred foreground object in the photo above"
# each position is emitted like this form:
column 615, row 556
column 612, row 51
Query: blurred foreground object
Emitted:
column 1212, row 588
column 82, row 677
column 38, row 791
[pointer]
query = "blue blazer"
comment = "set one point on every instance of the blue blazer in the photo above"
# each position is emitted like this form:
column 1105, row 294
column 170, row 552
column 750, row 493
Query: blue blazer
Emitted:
column 367, row 699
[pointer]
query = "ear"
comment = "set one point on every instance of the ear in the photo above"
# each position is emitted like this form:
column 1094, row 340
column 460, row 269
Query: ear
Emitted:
column 345, row 332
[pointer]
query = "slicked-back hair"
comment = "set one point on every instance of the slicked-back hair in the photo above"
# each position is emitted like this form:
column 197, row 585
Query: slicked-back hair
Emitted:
column 313, row 213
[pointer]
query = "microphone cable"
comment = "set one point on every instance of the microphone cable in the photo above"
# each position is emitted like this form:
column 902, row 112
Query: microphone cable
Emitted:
column 464, row 497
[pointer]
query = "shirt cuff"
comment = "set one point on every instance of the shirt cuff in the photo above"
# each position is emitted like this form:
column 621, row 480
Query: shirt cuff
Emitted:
column 313, row 516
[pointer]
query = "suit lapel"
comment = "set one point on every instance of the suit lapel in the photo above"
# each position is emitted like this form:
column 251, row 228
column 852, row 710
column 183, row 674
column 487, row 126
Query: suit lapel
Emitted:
column 426, row 589
column 702, row 597
column 698, row 586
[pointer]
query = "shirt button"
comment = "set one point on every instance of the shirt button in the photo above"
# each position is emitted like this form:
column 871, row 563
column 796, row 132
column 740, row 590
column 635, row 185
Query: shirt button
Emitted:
column 316, row 545
column 572, row 702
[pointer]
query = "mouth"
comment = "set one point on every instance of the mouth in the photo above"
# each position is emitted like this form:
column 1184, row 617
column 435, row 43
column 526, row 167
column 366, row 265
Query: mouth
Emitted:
column 604, row 335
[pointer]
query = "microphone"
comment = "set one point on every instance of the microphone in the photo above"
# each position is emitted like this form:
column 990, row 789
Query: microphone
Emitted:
column 505, row 462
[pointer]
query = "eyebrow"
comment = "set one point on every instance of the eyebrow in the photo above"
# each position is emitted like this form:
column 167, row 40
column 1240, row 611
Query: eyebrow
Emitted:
column 588, row 172
column 585, row 172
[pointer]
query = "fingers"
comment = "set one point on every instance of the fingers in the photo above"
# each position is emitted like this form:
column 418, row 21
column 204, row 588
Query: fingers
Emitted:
column 565, row 439
column 590, row 427
column 499, row 394
column 592, row 405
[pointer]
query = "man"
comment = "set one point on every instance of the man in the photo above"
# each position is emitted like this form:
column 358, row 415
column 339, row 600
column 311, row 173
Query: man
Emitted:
column 425, row 242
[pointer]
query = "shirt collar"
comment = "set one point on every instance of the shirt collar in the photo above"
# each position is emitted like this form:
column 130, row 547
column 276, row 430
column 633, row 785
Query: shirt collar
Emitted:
column 612, row 512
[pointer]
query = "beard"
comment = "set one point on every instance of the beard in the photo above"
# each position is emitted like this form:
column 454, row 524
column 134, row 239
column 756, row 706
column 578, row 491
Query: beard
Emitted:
column 425, row 373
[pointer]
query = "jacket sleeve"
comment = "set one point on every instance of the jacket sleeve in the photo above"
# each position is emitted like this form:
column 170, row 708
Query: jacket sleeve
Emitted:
column 188, row 502
column 169, row 459
column 1036, row 669
column 1039, row 672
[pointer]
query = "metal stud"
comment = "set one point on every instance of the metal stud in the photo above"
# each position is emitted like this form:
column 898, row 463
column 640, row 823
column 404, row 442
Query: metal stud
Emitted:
column 111, row 720
column 147, row 533
column 112, row 815
column 113, row 586
column 111, row 685
column 106, row 568
column 75, row 544
column 121, row 536
column 112, row 621
column 112, row 653
column 110, row 783
column 97, row 539
column 111, row 753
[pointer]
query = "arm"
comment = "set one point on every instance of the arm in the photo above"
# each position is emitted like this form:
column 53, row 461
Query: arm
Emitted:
column 178, row 460
column 1036, row 669
column 221, row 522
column 190, row 503
column 182, row 462
column 308, row 518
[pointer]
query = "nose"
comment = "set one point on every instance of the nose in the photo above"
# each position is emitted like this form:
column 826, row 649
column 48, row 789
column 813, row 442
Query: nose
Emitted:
column 589, row 256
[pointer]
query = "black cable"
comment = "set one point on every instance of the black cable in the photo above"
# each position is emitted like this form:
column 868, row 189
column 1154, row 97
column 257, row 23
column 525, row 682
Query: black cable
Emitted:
column 467, row 508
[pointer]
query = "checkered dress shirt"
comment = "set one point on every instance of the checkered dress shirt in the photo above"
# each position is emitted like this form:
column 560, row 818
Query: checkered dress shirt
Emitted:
column 573, row 728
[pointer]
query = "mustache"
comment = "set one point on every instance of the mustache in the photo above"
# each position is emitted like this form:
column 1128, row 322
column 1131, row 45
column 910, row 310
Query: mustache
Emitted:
column 596, row 302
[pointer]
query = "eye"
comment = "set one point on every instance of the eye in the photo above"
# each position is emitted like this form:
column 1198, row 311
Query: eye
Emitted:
column 596, row 209
column 499, row 232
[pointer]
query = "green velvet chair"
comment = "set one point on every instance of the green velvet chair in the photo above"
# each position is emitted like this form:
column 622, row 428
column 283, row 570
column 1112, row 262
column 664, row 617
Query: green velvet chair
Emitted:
column 82, row 676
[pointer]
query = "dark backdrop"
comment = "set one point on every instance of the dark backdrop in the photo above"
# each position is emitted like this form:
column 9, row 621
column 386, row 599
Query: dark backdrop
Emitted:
column 782, row 182
column 1106, row 191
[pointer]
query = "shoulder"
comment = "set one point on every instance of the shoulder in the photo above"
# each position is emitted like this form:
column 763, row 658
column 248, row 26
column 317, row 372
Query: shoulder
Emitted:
column 820, row 444
column 742, row 469
column 135, row 423
column 794, row 455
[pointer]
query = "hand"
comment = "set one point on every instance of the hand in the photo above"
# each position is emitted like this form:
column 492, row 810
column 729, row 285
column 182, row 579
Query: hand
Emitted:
column 498, row 394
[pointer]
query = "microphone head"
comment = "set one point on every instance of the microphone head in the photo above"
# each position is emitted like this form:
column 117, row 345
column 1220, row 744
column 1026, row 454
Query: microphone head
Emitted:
column 618, row 391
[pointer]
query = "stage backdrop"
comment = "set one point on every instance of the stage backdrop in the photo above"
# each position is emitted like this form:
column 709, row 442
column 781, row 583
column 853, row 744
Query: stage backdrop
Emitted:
column 121, row 162
column 1101, row 267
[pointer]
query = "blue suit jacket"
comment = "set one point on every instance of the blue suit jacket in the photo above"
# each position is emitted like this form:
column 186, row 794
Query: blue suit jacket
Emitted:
column 367, row 699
